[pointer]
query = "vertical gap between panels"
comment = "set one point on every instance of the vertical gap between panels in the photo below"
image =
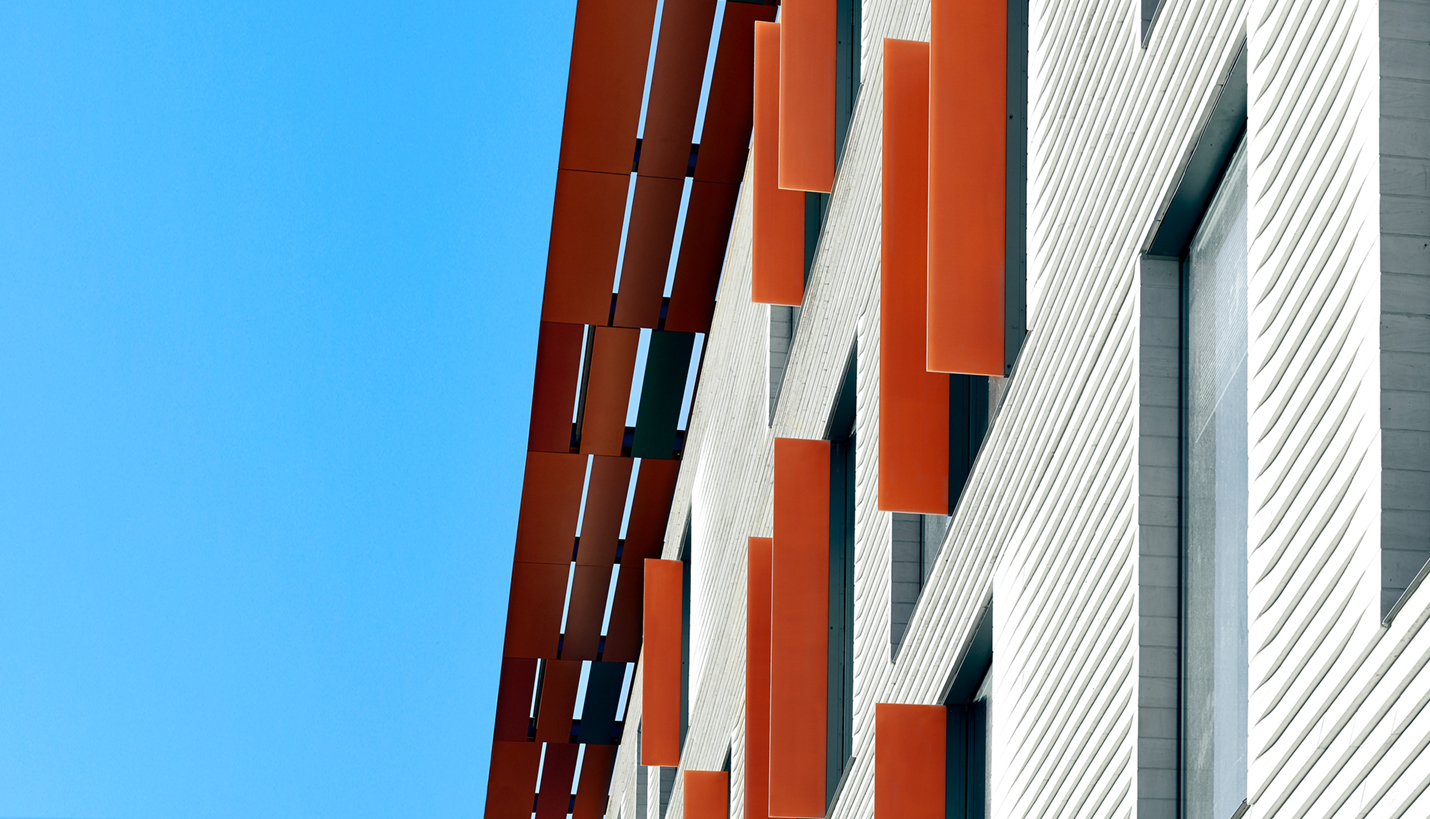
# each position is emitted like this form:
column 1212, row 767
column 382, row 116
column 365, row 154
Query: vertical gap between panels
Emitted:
column 625, row 230
column 630, row 497
column 581, row 689
column 625, row 694
column 610, row 600
column 679, row 235
column 690, row 377
column 709, row 70
column 586, row 331
column 566, row 607
column 650, row 65
column 638, row 377
column 580, row 757
column 535, row 689
column 540, row 767
column 585, row 489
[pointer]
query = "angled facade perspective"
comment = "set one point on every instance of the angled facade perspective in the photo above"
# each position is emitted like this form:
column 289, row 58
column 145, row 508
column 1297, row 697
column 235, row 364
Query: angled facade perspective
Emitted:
column 980, row 409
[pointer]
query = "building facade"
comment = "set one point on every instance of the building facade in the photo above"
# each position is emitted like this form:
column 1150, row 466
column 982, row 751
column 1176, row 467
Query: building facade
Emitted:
column 1173, row 567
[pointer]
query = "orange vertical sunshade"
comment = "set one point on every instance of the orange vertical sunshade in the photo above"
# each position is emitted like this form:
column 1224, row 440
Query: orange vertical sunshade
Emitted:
column 909, row 748
column 610, row 47
column 757, row 681
column 968, row 108
column 777, row 265
column 660, row 665
column 608, row 390
column 913, row 402
column 707, row 795
column 808, row 43
column 799, row 628
column 553, row 391
column 550, row 506
column 585, row 241
column 511, row 783
column 558, row 700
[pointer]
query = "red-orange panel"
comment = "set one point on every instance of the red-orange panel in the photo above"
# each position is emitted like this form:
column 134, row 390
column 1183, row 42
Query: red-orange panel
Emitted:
column 511, row 782
column 587, row 609
column 558, row 700
column 553, row 391
column 757, row 681
column 623, row 638
column 913, row 402
column 660, row 664
column 609, row 51
column 968, row 80
column 608, row 390
column 654, row 212
column 518, row 679
column 557, row 771
column 702, row 254
column 909, row 761
column 605, row 506
column 725, row 135
column 550, row 506
column 707, row 795
column 585, row 241
column 595, row 785
column 533, row 617
column 807, row 89
column 650, row 510
column 777, row 275
column 675, row 87
column 799, row 628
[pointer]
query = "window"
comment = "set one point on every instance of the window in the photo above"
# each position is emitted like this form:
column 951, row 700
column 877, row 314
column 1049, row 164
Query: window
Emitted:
column 841, row 582
column 685, row 637
column 968, row 775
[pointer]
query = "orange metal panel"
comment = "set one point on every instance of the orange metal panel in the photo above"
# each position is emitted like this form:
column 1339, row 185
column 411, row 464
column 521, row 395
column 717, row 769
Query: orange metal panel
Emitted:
column 913, row 402
column 558, row 700
column 511, row 782
column 623, row 638
column 605, row 506
column 608, row 390
column 557, row 771
column 609, row 51
column 807, row 91
column 585, row 241
column 660, row 663
column 550, row 505
column 675, row 87
column 588, row 607
column 799, row 628
column 707, row 795
column 777, row 275
column 650, row 509
column 553, row 391
column 968, row 80
column 654, row 212
column 533, row 615
column 909, row 747
column 702, row 254
column 757, row 681
column 725, row 135
column 518, row 679
column 595, row 785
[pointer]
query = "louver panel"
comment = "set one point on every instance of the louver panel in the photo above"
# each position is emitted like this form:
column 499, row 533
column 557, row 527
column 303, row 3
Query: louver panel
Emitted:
column 605, row 506
column 650, row 509
column 558, row 700
column 585, row 242
column 757, row 681
column 777, row 275
column 909, row 749
column 553, row 392
column 550, row 507
column 533, row 615
column 598, row 714
column 511, row 782
column 807, row 92
column 608, row 390
column 623, row 638
column 660, row 663
column 707, row 795
column 675, row 87
column 708, row 216
column 654, row 212
column 610, row 48
column 667, row 364
column 589, row 585
column 725, row 135
column 518, row 680
column 595, row 784
column 558, row 768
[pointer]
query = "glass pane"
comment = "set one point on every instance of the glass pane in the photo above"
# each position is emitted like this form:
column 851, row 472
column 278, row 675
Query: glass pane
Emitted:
column 1215, row 606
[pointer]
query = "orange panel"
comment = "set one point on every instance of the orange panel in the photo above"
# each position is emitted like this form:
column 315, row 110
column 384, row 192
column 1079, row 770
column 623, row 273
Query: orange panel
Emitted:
column 584, row 615
column 675, row 87
column 511, row 783
column 660, row 663
column 650, row 510
column 605, row 506
column 968, row 80
column 533, row 615
column 557, row 771
column 808, row 43
column 558, row 700
column 518, row 679
column 553, row 391
column 623, row 638
column 609, row 51
column 777, row 275
column 608, row 390
column 725, row 135
column 799, row 628
column 909, row 761
column 702, row 254
column 707, row 795
column 550, row 506
column 595, row 785
column 654, row 212
column 757, row 681
column 585, row 241
column 913, row 402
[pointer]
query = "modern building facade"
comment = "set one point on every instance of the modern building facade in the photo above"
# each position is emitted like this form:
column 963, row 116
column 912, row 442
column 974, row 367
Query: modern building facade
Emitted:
column 1034, row 421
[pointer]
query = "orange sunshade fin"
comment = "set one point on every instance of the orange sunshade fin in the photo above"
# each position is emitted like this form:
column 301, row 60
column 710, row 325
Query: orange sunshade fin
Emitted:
column 808, row 43
column 968, row 107
column 909, row 749
column 702, row 255
column 553, row 390
column 533, row 615
column 777, row 265
column 707, row 795
column 913, row 402
column 558, row 768
column 605, row 506
column 799, row 628
column 587, row 608
column 559, row 682
column 518, row 680
column 511, row 782
column 654, row 212
column 725, row 136
column 608, row 390
column 660, row 664
column 585, row 241
column 596, row 769
column 610, row 47
column 675, row 87
column 757, row 681
column 550, row 506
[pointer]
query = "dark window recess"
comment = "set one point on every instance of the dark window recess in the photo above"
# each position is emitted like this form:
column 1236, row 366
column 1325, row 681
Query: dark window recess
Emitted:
column 841, row 582
column 603, row 699
column 685, row 636
column 849, row 22
column 969, row 728
column 666, row 366
column 967, row 425
column 1015, row 272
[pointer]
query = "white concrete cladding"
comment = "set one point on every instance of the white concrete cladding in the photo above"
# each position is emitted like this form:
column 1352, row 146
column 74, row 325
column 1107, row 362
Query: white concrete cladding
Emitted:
column 1049, row 523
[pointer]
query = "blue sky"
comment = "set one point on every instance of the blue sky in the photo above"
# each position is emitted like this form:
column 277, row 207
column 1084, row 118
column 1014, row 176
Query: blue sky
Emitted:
column 269, row 287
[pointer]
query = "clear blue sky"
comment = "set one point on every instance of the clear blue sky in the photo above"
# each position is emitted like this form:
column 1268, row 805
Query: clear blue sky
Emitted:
column 269, row 287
